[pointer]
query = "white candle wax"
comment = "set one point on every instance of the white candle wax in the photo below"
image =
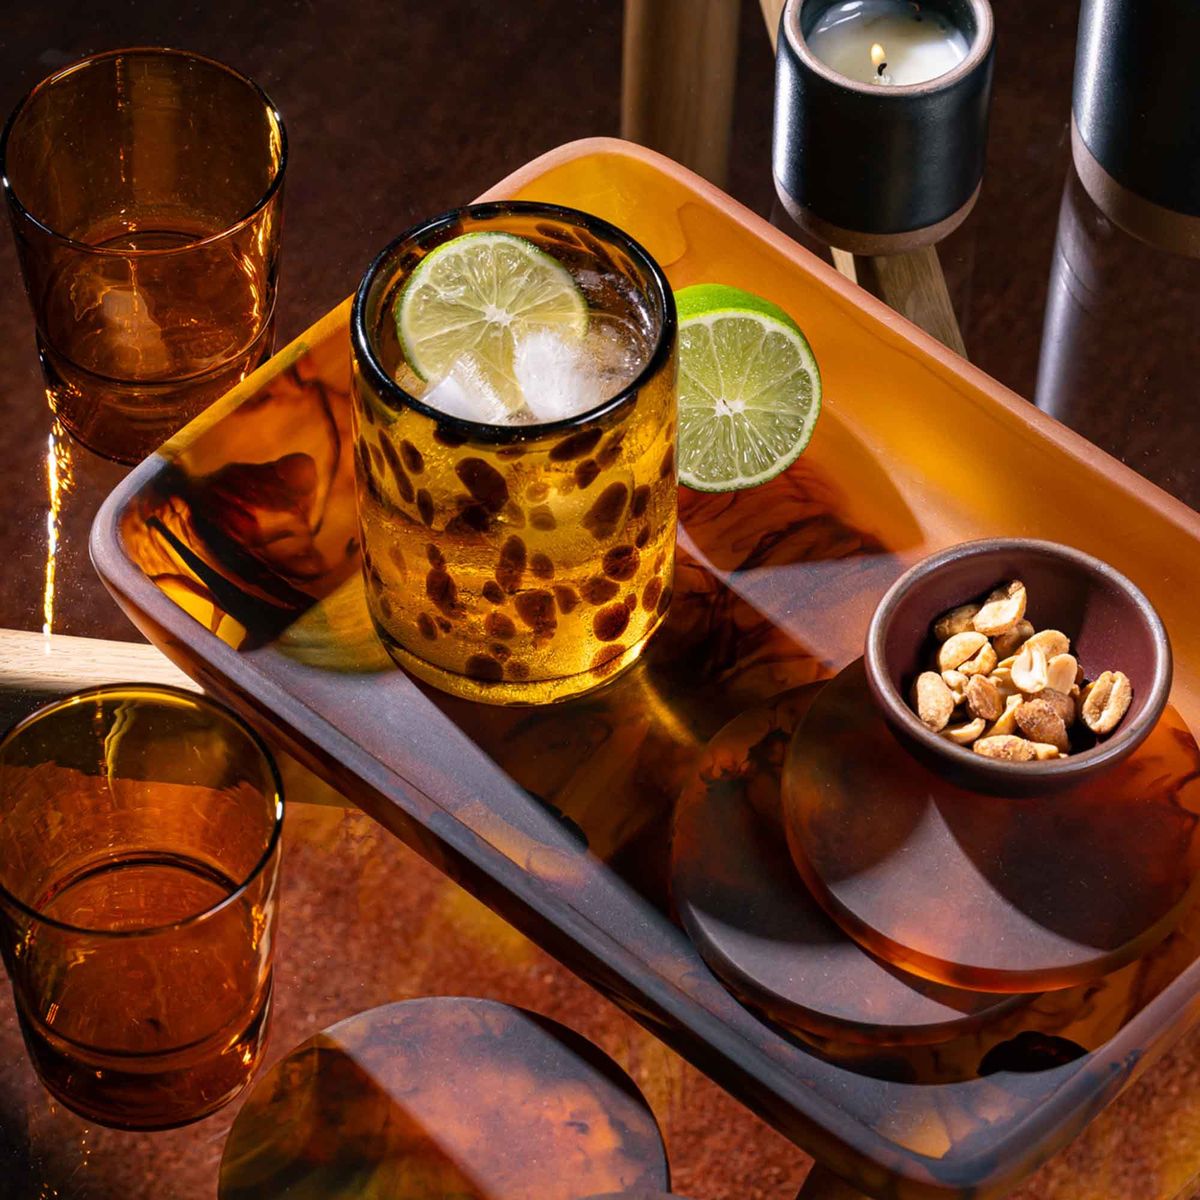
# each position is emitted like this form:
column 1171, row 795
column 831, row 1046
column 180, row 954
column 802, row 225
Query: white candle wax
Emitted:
column 887, row 41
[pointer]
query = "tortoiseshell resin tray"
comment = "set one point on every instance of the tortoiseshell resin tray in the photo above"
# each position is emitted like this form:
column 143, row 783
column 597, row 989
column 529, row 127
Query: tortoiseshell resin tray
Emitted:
column 235, row 550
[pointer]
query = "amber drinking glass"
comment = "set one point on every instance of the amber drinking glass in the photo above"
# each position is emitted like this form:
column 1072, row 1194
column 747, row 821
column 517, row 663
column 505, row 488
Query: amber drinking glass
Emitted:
column 139, row 851
column 518, row 563
column 145, row 189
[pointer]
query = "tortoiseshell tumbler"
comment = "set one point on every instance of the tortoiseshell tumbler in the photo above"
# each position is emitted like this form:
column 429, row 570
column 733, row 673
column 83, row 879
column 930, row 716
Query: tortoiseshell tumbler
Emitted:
column 519, row 563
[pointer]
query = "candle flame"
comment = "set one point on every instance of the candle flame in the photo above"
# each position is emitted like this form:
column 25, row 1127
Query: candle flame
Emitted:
column 878, row 56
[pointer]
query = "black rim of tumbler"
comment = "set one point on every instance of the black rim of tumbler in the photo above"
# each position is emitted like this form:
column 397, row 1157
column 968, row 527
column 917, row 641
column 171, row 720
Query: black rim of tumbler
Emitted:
column 477, row 431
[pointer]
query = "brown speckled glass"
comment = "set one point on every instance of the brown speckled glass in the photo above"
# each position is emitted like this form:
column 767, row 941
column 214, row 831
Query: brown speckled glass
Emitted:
column 518, row 563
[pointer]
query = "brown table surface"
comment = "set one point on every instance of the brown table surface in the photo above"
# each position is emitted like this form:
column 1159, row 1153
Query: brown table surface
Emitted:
column 396, row 111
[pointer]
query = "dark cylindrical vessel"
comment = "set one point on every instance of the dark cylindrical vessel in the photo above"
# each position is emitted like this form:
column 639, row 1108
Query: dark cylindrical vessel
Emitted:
column 1135, row 129
column 879, row 170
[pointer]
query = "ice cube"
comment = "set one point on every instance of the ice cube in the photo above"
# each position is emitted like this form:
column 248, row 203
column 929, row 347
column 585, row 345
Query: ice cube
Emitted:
column 555, row 376
column 469, row 394
column 615, row 351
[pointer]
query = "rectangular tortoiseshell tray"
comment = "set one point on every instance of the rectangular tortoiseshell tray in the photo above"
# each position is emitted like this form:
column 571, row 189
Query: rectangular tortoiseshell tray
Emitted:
column 234, row 549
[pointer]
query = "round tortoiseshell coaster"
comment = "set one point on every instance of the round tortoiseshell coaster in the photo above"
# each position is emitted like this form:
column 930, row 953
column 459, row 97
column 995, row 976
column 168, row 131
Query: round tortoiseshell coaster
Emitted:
column 447, row 1097
column 757, row 926
column 980, row 891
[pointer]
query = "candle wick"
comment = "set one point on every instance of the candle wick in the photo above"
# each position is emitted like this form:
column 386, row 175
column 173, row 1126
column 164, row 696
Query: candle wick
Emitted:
column 882, row 69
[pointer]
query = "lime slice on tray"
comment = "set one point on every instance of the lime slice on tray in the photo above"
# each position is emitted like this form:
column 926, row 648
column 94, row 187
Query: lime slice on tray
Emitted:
column 749, row 389
column 473, row 295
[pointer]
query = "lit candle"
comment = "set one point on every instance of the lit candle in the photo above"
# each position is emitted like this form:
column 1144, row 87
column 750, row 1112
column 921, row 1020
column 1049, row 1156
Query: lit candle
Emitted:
column 887, row 41
column 881, row 112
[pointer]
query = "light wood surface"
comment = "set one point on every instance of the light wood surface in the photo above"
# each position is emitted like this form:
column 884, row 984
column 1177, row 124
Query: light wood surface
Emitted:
column 38, row 665
column 913, row 284
column 35, row 669
column 679, row 68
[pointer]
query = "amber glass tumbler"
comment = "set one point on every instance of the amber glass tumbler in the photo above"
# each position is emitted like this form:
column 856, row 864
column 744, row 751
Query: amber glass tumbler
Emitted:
column 518, row 564
column 145, row 189
column 139, row 853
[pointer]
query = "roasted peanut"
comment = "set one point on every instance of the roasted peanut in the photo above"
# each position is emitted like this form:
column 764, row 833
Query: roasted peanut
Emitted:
column 1039, row 721
column 1043, row 751
column 964, row 735
column 1001, row 677
column 1006, row 748
column 1006, row 722
column 934, row 700
column 1011, row 640
column 997, row 677
column 982, row 663
column 1105, row 701
column 1029, row 671
column 957, row 620
column 958, row 649
column 1001, row 610
column 983, row 698
column 1061, row 703
column 956, row 681
column 1050, row 642
column 1060, row 672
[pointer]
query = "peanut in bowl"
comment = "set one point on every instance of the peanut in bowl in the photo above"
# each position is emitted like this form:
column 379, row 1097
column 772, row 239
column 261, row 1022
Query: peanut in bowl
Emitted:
column 1111, row 625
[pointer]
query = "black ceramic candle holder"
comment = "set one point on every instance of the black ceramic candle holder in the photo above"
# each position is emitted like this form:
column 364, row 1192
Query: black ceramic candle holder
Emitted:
column 1135, row 128
column 880, row 169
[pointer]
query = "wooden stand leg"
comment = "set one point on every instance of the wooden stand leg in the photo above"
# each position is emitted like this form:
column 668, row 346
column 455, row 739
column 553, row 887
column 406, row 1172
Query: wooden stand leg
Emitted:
column 824, row 1185
column 679, row 68
column 772, row 10
column 913, row 285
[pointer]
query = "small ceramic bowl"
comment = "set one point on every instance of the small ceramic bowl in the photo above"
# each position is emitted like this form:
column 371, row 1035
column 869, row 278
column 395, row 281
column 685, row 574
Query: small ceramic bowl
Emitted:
column 1111, row 624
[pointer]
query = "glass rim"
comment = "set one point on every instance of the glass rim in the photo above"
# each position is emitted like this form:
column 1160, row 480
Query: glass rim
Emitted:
column 199, row 700
column 50, row 80
column 479, row 431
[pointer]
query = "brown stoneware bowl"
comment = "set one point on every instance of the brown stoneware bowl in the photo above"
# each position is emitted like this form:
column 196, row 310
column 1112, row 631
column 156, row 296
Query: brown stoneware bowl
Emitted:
column 1111, row 624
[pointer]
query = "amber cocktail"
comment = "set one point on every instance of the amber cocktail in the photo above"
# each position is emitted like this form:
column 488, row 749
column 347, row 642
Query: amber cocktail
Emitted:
column 139, row 850
column 517, row 500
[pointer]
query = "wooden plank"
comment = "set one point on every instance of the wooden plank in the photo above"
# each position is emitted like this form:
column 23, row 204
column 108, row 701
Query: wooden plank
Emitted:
column 913, row 284
column 679, row 68
column 35, row 669
column 37, row 665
